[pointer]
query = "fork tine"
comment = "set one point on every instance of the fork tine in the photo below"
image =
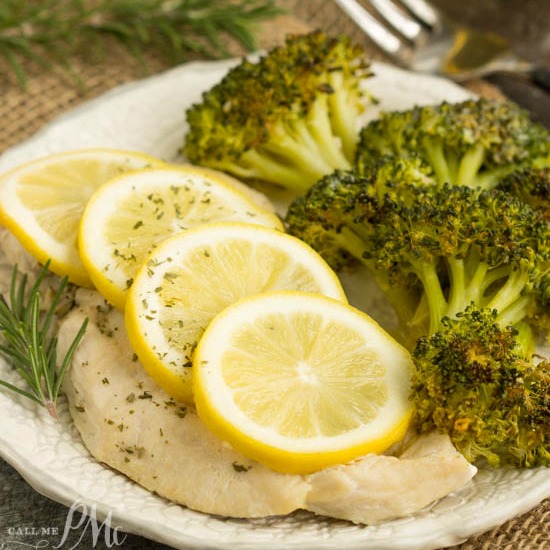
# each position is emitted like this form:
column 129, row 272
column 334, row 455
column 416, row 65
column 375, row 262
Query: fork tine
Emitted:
column 406, row 26
column 423, row 12
column 378, row 33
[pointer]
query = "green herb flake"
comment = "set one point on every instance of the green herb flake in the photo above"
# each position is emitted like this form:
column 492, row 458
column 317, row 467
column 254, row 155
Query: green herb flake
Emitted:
column 240, row 468
column 181, row 412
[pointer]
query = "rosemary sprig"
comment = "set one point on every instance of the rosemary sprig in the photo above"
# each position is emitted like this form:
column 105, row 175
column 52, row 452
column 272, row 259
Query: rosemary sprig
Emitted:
column 27, row 341
column 49, row 32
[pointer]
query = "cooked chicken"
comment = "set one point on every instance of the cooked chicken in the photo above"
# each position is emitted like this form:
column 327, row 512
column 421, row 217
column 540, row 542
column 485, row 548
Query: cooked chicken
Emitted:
column 127, row 422
column 377, row 488
column 12, row 253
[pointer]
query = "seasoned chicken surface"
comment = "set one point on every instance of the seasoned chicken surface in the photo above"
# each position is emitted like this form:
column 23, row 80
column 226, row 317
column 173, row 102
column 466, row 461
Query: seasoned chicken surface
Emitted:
column 127, row 422
column 130, row 424
column 378, row 488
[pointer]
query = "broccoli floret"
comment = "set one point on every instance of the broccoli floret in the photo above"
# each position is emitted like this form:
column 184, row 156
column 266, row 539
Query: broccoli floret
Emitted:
column 330, row 218
column 394, row 171
column 289, row 118
column 441, row 246
column 476, row 142
column 531, row 185
column 325, row 215
column 319, row 218
column 472, row 382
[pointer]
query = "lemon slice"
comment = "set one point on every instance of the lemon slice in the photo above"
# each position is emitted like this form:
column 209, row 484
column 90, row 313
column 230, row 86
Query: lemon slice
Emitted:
column 300, row 382
column 130, row 215
column 194, row 275
column 41, row 202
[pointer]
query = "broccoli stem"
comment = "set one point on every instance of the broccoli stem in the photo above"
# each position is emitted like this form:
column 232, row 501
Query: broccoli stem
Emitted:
column 488, row 179
column 296, row 156
column 419, row 319
column 437, row 304
column 457, row 294
column 491, row 276
column 260, row 164
column 449, row 168
column 510, row 292
column 295, row 145
column 436, row 156
column 526, row 337
column 321, row 129
column 477, row 283
column 344, row 111
column 453, row 163
column 513, row 314
column 351, row 242
column 470, row 285
column 470, row 165
column 402, row 300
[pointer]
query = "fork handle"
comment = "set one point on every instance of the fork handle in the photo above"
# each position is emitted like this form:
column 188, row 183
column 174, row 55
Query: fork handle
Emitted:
column 535, row 99
column 541, row 77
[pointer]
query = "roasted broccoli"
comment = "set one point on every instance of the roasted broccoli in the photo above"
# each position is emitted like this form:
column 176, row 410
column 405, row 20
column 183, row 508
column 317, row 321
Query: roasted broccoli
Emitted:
column 289, row 118
column 472, row 382
column 531, row 185
column 476, row 142
column 439, row 247
column 324, row 216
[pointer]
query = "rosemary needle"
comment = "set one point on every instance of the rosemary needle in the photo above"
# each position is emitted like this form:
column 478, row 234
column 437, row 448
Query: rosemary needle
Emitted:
column 51, row 32
column 28, row 344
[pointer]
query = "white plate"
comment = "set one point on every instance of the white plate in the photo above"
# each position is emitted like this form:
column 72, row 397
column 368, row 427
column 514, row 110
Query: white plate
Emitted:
column 150, row 116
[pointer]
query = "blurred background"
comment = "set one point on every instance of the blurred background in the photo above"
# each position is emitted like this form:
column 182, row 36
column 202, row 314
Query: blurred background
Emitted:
column 51, row 90
column 525, row 23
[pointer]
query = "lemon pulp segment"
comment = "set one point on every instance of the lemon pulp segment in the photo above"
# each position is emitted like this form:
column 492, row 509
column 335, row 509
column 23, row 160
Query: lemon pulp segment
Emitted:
column 309, row 374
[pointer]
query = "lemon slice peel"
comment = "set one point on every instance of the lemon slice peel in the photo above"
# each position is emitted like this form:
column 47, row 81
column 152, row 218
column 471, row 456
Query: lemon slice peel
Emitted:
column 127, row 217
column 189, row 278
column 41, row 201
column 242, row 398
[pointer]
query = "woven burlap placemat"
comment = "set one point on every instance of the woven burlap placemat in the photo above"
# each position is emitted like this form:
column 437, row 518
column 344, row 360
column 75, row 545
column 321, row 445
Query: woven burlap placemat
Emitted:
column 49, row 93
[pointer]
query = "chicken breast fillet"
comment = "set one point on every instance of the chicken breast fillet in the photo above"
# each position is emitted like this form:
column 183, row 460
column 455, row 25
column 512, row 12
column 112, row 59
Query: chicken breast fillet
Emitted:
column 378, row 488
column 129, row 423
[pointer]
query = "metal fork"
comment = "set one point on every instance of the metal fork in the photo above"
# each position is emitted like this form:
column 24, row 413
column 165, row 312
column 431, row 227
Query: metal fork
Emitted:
column 415, row 36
